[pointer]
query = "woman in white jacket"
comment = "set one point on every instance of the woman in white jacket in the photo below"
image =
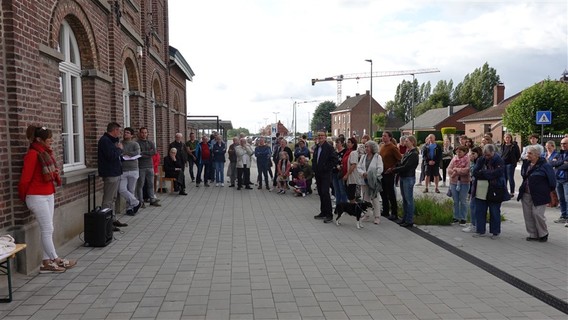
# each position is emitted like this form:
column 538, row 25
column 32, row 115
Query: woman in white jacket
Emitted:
column 371, row 167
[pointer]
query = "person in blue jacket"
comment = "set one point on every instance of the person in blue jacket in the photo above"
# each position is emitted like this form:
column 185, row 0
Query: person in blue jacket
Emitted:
column 534, row 193
column 219, row 149
column 490, row 168
column 262, row 152
column 560, row 165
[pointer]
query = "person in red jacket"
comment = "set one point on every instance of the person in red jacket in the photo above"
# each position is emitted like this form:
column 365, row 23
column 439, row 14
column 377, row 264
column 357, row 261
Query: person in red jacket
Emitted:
column 37, row 188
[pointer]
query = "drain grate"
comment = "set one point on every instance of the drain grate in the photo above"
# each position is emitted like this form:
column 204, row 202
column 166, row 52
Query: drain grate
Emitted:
column 543, row 296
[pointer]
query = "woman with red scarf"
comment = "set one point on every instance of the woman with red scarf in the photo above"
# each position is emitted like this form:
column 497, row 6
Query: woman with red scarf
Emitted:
column 37, row 189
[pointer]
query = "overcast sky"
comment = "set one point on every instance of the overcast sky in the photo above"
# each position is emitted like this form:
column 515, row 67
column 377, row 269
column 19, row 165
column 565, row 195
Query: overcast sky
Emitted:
column 253, row 58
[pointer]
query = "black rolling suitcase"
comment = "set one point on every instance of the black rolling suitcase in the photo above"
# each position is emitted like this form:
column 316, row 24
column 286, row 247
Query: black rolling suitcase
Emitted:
column 97, row 221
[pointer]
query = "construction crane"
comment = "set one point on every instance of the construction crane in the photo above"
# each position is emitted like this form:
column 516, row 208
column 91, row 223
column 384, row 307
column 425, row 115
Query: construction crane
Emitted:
column 358, row 76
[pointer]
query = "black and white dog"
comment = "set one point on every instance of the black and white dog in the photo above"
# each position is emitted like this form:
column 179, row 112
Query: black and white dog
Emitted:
column 352, row 209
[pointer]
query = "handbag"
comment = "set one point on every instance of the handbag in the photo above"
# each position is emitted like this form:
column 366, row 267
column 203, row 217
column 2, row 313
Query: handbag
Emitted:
column 496, row 193
column 553, row 199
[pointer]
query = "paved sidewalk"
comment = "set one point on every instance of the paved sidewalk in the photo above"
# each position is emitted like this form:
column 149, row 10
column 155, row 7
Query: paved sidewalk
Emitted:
column 219, row 253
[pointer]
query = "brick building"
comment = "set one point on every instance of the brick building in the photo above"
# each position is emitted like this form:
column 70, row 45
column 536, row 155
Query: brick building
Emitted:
column 74, row 66
column 352, row 116
column 436, row 119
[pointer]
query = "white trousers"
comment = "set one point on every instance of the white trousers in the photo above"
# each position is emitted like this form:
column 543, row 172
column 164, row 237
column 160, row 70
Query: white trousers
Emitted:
column 375, row 201
column 127, row 188
column 42, row 207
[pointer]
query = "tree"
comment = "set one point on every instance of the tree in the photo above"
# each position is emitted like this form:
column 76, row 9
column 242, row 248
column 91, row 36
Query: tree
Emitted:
column 235, row 132
column 322, row 117
column 440, row 98
column 520, row 115
column 477, row 88
column 380, row 120
column 402, row 104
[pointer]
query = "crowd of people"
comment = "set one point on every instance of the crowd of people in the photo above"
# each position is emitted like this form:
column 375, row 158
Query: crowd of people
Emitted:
column 480, row 177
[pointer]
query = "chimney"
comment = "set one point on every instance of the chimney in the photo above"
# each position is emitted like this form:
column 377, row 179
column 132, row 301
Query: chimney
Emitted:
column 450, row 110
column 498, row 93
column 368, row 92
column 347, row 97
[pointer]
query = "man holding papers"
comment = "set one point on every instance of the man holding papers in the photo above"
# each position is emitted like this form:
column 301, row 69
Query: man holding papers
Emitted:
column 129, row 177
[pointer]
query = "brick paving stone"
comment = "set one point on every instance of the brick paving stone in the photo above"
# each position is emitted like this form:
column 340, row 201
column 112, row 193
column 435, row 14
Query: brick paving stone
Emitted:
column 256, row 255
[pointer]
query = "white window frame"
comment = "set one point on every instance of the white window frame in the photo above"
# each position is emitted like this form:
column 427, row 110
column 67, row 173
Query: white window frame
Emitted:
column 154, row 118
column 71, row 101
column 125, row 97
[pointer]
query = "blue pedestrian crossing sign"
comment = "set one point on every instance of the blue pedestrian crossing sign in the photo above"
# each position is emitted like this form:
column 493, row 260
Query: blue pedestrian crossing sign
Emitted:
column 543, row 117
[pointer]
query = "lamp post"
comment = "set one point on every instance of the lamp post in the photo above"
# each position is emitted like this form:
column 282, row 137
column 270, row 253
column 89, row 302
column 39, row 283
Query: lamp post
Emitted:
column 276, row 115
column 309, row 127
column 371, row 100
column 412, row 111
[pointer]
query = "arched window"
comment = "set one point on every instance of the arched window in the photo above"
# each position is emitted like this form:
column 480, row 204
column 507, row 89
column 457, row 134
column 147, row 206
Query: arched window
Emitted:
column 125, row 97
column 71, row 100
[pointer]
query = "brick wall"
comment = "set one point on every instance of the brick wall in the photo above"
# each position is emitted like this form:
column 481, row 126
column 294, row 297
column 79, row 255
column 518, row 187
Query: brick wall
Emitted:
column 30, row 86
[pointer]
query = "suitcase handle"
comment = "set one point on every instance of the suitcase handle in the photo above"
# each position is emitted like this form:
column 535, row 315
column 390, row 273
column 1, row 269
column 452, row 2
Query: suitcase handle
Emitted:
column 91, row 181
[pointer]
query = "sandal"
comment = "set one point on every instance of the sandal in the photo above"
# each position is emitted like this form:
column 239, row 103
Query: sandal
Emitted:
column 67, row 264
column 437, row 191
column 51, row 267
column 425, row 190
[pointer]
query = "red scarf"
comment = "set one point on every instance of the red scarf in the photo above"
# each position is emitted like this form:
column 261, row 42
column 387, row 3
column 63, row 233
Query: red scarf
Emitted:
column 47, row 162
column 345, row 163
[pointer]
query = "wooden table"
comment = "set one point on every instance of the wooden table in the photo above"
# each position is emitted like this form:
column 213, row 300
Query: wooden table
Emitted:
column 5, row 268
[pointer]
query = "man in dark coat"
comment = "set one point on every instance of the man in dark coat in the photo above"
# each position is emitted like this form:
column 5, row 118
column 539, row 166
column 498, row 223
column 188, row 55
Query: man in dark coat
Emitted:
column 324, row 159
column 109, row 153
column 182, row 155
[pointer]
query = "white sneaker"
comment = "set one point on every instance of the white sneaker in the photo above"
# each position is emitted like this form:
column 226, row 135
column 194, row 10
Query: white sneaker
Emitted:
column 443, row 183
column 468, row 229
column 216, row 184
column 222, row 184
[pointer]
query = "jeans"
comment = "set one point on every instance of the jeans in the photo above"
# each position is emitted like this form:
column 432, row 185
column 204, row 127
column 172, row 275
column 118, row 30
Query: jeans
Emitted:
column 407, row 192
column 243, row 176
column 232, row 172
column 472, row 215
column 127, row 188
column 262, row 171
column 562, row 190
column 191, row 162
column 338, row 188
column 510, row 176
column 460, row 200
column 388, row 196
column 146, row 178
column 43, row 207
column 323, row 182
column 219, row 171
column 494, row 216
column 206, row 174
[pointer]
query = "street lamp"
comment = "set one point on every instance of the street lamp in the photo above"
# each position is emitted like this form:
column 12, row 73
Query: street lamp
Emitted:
column 371, row 99
column 276, row 114
column 295, row 112
column 412, row 112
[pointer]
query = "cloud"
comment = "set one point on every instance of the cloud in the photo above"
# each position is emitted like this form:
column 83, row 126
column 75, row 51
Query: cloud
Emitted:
column 254, row 57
